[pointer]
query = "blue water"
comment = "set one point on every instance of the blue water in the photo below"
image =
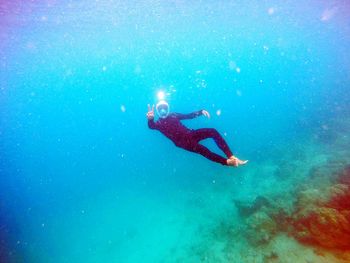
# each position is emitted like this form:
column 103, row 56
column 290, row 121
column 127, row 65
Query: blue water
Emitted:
column 83, row 179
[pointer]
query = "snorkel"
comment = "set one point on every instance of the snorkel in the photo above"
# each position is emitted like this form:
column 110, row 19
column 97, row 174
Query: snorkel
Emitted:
column 162, row 109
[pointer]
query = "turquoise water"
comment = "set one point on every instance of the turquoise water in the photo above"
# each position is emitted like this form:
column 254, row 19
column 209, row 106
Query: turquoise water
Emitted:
column 83, row 179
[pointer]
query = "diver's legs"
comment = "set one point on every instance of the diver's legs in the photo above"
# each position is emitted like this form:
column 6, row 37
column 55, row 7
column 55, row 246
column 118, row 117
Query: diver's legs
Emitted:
column 206, row 133
column 198, row 148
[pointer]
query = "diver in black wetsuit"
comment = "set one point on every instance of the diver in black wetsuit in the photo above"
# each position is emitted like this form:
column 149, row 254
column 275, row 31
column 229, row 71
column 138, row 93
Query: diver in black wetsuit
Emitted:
column 188, row 139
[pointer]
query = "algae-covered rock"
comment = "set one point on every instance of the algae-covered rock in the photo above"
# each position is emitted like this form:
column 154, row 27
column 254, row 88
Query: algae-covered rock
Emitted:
column 261, row 228
column 246, row 209
column 310, row 197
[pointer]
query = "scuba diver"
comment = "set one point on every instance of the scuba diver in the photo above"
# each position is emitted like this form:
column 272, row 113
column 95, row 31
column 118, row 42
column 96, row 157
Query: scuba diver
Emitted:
column 170, row 125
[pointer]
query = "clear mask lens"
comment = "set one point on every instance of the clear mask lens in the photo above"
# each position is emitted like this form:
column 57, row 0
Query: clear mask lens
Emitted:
column 162, row 109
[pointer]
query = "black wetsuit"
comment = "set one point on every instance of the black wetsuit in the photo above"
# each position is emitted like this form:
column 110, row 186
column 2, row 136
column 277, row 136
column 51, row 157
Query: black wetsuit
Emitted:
column 189, row 139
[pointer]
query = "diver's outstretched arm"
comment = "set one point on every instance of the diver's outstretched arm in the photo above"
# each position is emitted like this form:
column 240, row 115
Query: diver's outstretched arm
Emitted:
column 192, row 115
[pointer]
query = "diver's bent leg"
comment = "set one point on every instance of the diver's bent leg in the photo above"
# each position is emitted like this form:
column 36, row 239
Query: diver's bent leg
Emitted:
column 198, row 148
column 206, row 133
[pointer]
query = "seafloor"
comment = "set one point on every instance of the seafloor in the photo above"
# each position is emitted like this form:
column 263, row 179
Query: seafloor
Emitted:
column 297, row 211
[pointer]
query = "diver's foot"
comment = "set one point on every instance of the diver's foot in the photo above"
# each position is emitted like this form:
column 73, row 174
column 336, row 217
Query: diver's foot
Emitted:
column 234, row 161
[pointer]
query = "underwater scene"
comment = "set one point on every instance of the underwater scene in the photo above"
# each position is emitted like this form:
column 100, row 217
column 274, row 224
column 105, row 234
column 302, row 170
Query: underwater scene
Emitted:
column 125, row 127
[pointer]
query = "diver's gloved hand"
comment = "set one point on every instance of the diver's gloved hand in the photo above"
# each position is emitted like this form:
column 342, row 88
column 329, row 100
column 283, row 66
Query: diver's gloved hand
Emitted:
column 150, row 113
column 206, row 113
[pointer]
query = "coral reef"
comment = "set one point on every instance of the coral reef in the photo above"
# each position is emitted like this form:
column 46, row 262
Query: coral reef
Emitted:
column 321, row 226
column 320, row 217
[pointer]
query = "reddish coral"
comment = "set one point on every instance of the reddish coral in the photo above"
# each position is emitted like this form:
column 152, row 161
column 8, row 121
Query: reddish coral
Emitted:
column 325, row 227
column 339, row 197
column 326, row 224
